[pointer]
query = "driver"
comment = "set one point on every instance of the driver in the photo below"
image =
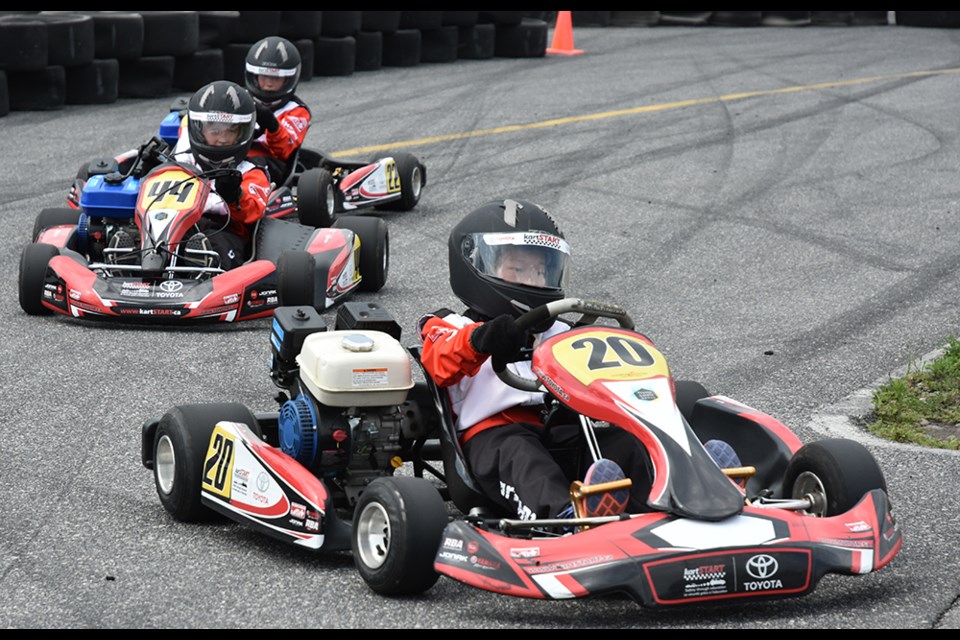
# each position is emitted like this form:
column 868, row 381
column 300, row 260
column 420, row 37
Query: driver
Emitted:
column 272, row 72
column 220, row 127
column 505, row 257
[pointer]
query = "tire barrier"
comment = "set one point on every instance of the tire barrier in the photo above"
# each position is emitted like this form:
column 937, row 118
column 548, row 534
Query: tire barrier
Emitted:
column 53, row 59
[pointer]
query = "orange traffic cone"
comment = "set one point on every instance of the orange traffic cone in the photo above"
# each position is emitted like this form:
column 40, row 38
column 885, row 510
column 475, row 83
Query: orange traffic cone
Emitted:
column 563, row 36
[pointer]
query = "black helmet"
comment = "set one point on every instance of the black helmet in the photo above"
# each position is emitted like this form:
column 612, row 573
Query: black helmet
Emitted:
column 221, row 106
column 513, row 235
column 275, row 58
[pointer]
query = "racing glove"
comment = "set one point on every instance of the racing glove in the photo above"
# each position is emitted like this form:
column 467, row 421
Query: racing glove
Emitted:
column 228, row 186
column 499, row 337
column 266, row 120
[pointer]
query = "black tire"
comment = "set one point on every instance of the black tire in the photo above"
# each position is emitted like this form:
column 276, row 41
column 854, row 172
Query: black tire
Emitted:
column 401, row 48
column 195, row 70
column 117, row 35
column 170, row 33
column 422, row 20
column 146, row 77
column 380, row 21
column 836, row 473
column 179, row 448
column 374, row 249
column 23, row 43
column 300, row 25
column 477, row 42
column 439, row 45
column 217, row 29
column 338, row 24
column 43, row 90
column 94, row 83
column 71, row 36
column 54, row 217
column 397, row 528
column 525, row 40
column 413, row 177
column 4, row 94
column 253, row 26
column 369, row 51
column 316, row 198
column 688, row 392
column 334, row 56
column 296, row 272
column 33, row 275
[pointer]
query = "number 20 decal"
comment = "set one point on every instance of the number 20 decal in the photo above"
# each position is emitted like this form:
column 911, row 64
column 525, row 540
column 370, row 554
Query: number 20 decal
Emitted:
column 613, row 351
column 217, row 467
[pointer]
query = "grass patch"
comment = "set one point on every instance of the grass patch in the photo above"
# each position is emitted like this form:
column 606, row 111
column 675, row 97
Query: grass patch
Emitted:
column 922, row 407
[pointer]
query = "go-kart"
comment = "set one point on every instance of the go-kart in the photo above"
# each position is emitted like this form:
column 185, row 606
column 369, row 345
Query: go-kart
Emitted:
column 126, row 252
column 321, row 472
column 319, row 188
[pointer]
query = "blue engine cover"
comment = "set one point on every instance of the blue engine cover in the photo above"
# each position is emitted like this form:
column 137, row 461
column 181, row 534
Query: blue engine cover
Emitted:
column 170, row 128
column 102, row 200
column 298, row 430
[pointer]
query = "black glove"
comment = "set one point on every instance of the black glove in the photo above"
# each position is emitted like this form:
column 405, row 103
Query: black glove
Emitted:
column 228, row 186
column 266, row 120
column 499, row 337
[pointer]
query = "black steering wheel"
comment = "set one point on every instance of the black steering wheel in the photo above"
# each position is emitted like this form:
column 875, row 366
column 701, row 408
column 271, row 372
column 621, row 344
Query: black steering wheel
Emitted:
column 590, row 311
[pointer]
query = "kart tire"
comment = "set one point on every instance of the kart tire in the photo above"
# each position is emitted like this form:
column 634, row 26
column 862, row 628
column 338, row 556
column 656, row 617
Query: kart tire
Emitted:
column 835, row 472
column 316, row 198
column 374, row 249
column 688, row 392
column 33, row 275
column 397, row 527
column 300, row 25
column 413, row 177
column 296, row 271
column 179, row 452
column 54, row 217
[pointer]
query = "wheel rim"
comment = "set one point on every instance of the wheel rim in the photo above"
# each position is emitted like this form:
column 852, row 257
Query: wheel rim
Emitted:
column 164, row 463
column 331, row 200
column 416, row 183
column 808, row 486
column 373, row 535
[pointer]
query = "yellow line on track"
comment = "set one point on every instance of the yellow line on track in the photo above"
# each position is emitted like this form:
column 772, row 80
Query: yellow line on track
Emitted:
column 638, row 110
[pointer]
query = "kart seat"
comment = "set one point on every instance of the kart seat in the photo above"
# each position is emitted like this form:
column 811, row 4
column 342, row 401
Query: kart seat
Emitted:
column 274, row 236
column 464, row 492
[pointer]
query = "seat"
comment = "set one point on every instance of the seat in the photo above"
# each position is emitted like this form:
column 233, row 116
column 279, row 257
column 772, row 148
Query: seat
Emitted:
column 464, row 492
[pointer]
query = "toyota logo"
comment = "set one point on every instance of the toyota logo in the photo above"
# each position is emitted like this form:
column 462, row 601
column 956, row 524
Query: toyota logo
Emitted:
column 761, row 567
column 171, row 285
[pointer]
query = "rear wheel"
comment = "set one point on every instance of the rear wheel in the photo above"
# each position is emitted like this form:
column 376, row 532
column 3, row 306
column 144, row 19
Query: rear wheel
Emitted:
column 834, row 474
column 297, row 279
column 33, row 276
column 688, row 392
column 316, row 198
column 55, row 217
column 397, row 527
column 180, row 447
column 413, row 177
column 374, row 249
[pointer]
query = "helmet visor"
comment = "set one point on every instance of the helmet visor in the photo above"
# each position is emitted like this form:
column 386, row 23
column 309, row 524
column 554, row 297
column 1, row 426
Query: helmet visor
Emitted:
column 219, row 129
column 531, row 258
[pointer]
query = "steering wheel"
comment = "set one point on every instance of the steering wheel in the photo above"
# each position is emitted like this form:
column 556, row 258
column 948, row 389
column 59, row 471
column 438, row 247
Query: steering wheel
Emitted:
column 590, row 310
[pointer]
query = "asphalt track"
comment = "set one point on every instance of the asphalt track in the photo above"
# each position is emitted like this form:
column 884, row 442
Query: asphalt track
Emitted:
column 777, row 207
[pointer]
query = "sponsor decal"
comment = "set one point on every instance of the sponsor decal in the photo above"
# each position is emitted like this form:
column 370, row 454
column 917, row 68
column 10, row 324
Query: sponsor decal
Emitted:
column 648, row 395
column 453, row 543
column 51, row 287
column 556, row 388
column 298, row 510
column 857, row 527
column 263, row 481
column 312, row 525
column 233, row 298
column 273, row 300
column 473, row 546
column 762, row 566
column 570, row 565
column 451, row 556
column 525, row 552
column 708, row 571
column 74, row 294
column 170, row 286
column 484, row 563
column 850, row 544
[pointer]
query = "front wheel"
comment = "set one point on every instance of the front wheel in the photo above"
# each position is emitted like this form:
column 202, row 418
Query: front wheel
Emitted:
column 374, row 249
column 413, row 177
column 180, row 448
column 316, row 198
column 834, row 474
column 397, row 527
column 55, row 217
column 32, row 278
